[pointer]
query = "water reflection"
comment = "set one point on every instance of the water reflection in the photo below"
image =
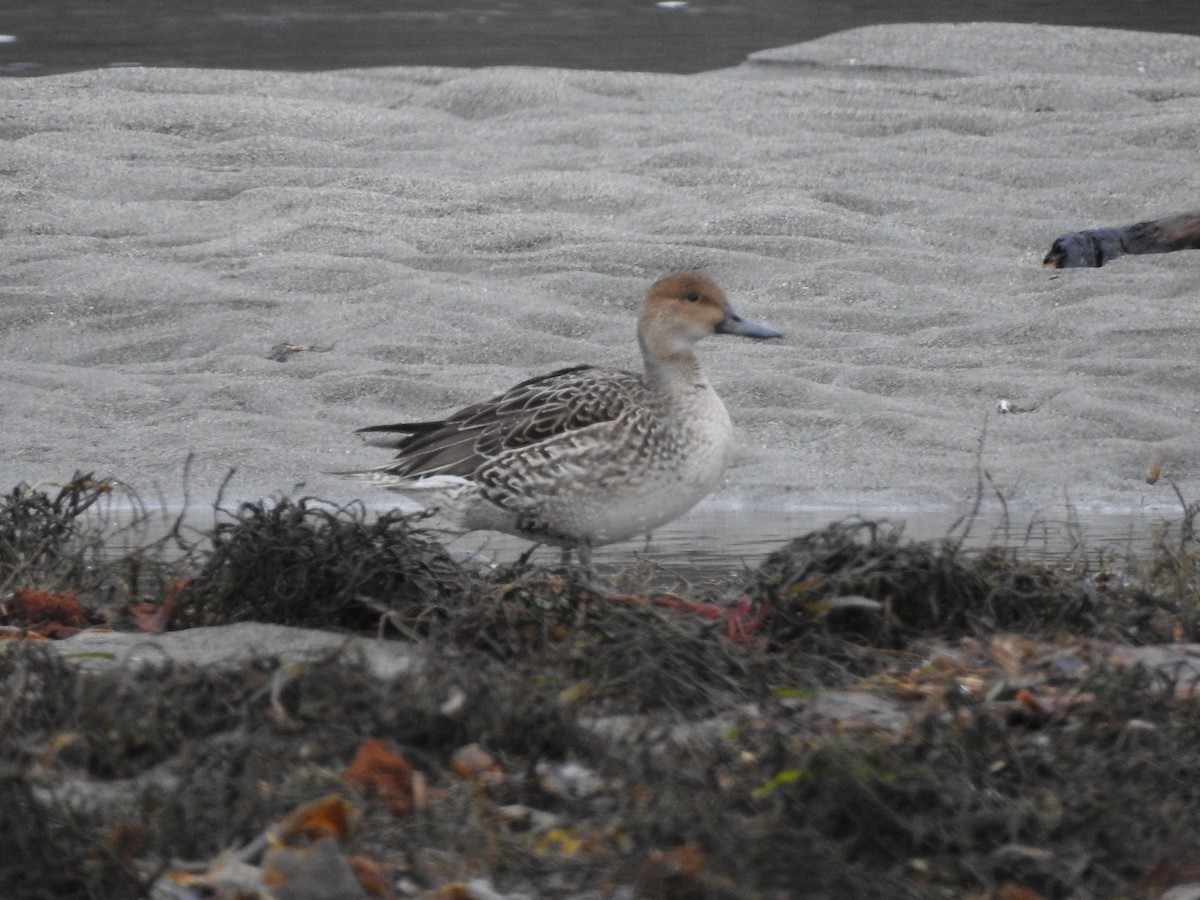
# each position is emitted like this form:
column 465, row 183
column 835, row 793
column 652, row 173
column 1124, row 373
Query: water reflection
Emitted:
column 712, row 544
column 637, row 35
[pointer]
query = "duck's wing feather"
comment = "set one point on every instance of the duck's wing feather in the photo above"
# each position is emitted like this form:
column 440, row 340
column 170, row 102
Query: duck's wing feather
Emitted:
column 527, row 414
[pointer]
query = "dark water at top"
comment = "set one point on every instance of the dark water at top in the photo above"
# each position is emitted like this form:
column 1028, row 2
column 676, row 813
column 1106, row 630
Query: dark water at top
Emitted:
column 42, row 38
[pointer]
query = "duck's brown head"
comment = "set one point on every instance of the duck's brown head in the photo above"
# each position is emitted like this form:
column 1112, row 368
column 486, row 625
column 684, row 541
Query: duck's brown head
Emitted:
column 682, row 308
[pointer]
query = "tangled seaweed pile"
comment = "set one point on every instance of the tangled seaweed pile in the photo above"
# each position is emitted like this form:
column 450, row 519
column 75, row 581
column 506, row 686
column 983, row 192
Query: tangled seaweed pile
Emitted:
column 860, row 716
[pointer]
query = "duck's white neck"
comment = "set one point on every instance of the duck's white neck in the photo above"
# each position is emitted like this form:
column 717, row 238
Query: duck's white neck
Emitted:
column 673, row 375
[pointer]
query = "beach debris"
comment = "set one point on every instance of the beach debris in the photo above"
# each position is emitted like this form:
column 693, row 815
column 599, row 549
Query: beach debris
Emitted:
column 569, row 780
column 153, row 615
column 80, row 483
column 475, row 889
column 608, row 734
column 915, row 585
column 330, row 817
column 308, row 562
column 1154, row 470
column 1175, row 875
column 313, row 871
column 1094, row 247
column 739, row 620
column 472, row 761
column 283, row 351
column 57, row 576
column 680, row 872
column 298, row 858
column 384, row 773
column 53, row 614
column 1004, row 407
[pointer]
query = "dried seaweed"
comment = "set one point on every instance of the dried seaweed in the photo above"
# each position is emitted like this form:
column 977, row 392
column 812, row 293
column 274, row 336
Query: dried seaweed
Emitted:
column 924, row 587
column 662, row 740
column 45, row 537
column 307, row 562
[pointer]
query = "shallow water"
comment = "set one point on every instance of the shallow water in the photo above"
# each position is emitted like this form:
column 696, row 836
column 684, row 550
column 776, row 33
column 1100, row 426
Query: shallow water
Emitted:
column 726, row 542
column 715, row 543
column 722, row 543
column 636, row 35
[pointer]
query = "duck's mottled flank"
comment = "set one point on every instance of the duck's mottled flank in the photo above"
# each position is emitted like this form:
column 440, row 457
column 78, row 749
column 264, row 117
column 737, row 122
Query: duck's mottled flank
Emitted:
column 583, row 456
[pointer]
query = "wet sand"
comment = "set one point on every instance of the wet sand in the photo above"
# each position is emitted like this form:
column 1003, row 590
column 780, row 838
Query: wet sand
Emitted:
column 883, row 196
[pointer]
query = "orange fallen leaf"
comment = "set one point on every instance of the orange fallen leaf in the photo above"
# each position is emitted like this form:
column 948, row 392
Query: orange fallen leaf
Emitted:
column 1033, row 702
column 152, row 618
column 37, row 607
column 385, row 773
column 331, row 816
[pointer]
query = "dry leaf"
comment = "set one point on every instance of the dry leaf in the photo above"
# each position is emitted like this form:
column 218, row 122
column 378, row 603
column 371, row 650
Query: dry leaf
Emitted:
column 331, row 816
column 36, row 607
column 386, row 774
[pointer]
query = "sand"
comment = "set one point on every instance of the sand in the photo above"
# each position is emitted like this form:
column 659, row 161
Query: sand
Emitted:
column 883, row 196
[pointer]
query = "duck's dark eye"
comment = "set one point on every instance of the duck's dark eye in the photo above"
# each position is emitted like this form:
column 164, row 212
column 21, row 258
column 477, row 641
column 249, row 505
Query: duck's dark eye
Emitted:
column 693, row 297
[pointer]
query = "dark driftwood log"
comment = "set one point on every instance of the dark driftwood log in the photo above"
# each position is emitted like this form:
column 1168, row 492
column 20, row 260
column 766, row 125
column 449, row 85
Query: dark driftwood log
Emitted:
column 1097, row 246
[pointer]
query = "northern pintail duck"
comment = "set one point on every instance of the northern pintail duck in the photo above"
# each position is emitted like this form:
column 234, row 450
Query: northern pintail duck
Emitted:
column 583, row 456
